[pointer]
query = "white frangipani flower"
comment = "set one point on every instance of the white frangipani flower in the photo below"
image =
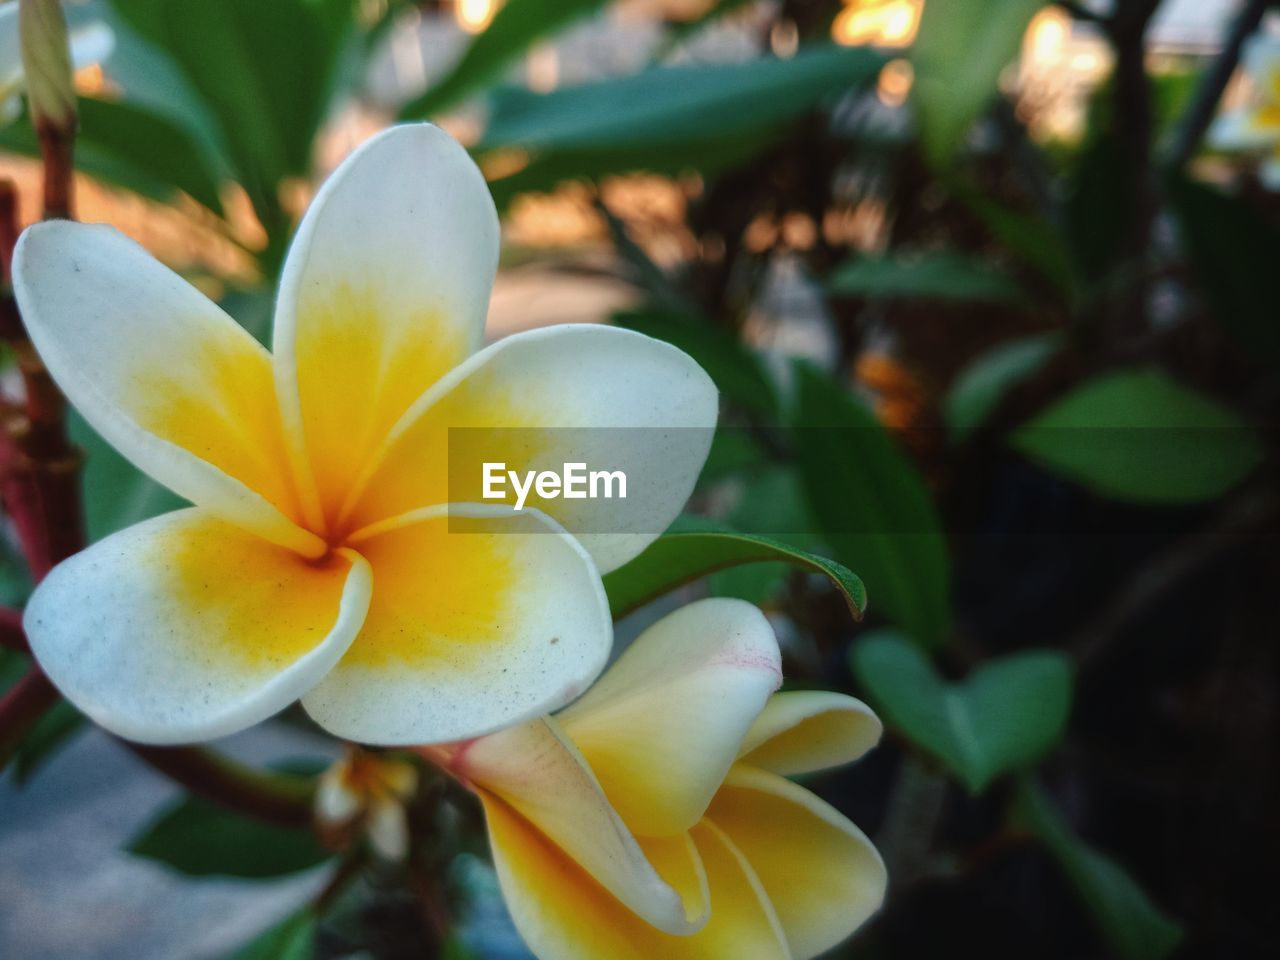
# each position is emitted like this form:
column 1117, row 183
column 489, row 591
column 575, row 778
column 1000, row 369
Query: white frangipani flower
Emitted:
column 319, row 560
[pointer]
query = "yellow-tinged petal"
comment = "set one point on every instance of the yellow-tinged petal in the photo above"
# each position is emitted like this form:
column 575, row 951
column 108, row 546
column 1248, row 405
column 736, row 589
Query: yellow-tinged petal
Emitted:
column 806, row 730
column 821, row 874
column 664, row 725
column 187, row 628
column 162, row 373
column 607, row 398
column 384, row 290
column 536, row 771
column 480, row 619
column 563, row 913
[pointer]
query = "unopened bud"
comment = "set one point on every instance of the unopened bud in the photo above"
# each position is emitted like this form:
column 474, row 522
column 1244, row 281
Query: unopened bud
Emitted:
column 46, row 61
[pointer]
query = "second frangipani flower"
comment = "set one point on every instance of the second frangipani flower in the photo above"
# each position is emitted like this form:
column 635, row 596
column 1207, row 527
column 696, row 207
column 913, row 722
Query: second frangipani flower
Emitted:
column 318, row 561
column 1255, row 126
column 653, row 818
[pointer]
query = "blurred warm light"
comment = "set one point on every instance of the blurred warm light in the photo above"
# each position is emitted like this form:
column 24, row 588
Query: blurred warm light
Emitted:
column 474, row 15
column 542, row 68
column 1047, row 35
column 895, row 82
column 880, row 23
column 784, row 39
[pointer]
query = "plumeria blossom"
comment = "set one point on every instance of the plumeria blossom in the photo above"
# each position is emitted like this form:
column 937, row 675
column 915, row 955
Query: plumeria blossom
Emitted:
column 653, row 817
column 318, row 560
column 1256, row 125
column 367, row 793
column 90, row 43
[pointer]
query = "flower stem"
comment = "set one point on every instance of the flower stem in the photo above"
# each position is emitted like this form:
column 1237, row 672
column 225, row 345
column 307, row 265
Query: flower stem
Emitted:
column 275, row 798
column 12, row 636
column 21, row 708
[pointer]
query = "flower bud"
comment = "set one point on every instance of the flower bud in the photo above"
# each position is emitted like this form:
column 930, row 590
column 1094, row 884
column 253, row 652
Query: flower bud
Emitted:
column 46, row 60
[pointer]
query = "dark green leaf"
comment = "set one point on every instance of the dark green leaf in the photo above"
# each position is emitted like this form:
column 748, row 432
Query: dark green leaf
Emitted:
column 669, row 106
column 980, row 385
column 735, row 368
column 958, row 55
column 1133, row 926
column 872, row 506
column 1139, row 435
column 930, row 276
column 679, row 558
column 291, row 939
column 199, row 838
column 770, row 501
column 1032, row 239
column 1235, row 252
column 517, row 25
column 132, row 148
column 1005, row 715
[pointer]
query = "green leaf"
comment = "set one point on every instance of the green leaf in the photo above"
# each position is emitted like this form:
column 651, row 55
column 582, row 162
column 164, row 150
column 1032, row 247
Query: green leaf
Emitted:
column 1133, row 926
column 1139, row 435
column 1234, row 252
column 1032, row 239
column 670, row 106
column 770, row 501
column 1004, row 716
column 958, row 55
column 266, row 72
column 131, row 148
column 738, row 371
column 679, row 558
column 980, row 386
column 517, row 25
column 199, row 838
column 932, row 276
column 291, row 939
column 872, row 506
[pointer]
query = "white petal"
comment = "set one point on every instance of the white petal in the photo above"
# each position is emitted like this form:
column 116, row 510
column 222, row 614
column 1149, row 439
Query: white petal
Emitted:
column 336, row 803
column 664, row 724
column 388, row 830
column 607, row 398
column 186, row 628
column 384, row 290
column 538, row 772
column 807, row 730
column 162, row 373
column 480, row 619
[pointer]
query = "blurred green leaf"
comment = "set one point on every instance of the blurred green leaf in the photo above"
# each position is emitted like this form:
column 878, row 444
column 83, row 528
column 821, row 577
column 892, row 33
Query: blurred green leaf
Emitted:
column 679, row 558
column 737, row 370
column 269, row 97
column 516, row 26
column 872, row 506
column 1005, row 715
column 1139, row 435
column 131, row 148
column 671, row 106
column 980, row 385
column 1234, row 252
column 199, row 838
column 291, row 939
column 116, row 494
column 1133, row 926
column 958, row 55
column 942, row 275
column 1032, row 239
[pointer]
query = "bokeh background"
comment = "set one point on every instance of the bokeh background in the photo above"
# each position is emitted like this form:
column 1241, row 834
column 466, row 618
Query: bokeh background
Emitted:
column 993, row 327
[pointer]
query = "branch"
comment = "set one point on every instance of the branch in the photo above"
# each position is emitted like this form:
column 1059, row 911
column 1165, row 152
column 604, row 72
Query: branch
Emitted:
column 276, row 798
column 21, row 709
column 1205, row 104
column 12, row 636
